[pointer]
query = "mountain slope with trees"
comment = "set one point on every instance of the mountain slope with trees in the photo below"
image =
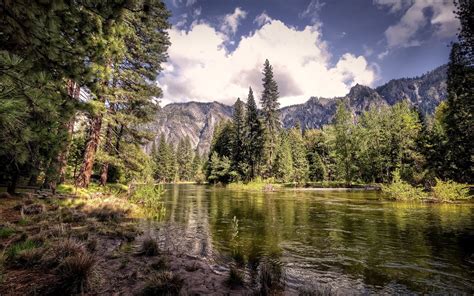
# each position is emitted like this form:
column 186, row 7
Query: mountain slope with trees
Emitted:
column 197, row 120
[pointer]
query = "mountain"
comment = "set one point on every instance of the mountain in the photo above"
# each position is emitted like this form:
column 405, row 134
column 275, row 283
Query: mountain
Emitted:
column 424, row 92
column 197, row 120
column 193, row 119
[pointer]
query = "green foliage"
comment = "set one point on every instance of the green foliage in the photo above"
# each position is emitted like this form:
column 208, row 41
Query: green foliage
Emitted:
column 450, row 191
column 283, row 166
column 14, row 250
column 401, row 190
column 219, row 169
column 6, row 232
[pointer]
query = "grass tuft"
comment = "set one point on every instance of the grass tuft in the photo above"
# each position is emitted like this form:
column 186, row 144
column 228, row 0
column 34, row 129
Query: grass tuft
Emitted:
column 163, row 283
column 236, row 277
column 149, row 247
column 75, row 272
column 6, row 231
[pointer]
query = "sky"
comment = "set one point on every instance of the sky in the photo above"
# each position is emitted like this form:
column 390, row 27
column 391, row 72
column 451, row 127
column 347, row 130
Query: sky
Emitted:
column 317, row 48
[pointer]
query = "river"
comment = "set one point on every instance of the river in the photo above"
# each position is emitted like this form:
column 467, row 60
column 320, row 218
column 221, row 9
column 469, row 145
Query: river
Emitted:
column 341, row 242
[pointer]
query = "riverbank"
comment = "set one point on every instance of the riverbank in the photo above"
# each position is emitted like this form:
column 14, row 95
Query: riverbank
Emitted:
column 98, row 244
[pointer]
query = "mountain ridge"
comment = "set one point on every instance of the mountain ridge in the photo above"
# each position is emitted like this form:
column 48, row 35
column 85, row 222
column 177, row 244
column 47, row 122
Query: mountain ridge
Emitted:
column 198, row 119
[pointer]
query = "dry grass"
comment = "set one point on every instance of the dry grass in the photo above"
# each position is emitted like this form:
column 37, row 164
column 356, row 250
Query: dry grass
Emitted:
column 163, row 283
column 236, row 277
column 75, row 272
column 149, row 247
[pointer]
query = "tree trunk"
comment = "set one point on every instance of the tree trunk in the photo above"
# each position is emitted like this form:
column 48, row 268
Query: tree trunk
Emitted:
column 105, row 166
column 85, row 172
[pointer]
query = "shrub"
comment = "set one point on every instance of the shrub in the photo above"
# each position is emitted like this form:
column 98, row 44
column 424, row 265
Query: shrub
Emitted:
column 75, row 272
column 449, row 191
column 163, row 283
column 401, row 190
column 149, row 247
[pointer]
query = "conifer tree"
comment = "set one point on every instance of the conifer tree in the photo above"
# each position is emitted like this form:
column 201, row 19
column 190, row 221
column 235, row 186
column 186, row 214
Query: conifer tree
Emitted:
column 185, row 159
column 270, row 114
column 238, row 149
column 283, row 166
column 459, row 119
column 253, row 143
column 298, row 155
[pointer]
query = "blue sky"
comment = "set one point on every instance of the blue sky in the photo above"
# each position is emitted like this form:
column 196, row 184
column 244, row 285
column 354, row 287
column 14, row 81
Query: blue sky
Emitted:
column 317, row 48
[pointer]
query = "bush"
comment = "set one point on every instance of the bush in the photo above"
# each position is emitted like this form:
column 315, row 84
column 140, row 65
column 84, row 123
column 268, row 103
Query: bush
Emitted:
column 163, row 283
column 449, row 191
column 403, row 191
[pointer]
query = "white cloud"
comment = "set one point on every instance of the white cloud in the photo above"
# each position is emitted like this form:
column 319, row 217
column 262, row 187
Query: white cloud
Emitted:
column 395, row 5
column 231, row 21
column 201, row 69
column 383, row 54
column 421, row 13
column 262, row 19
column 312, row 10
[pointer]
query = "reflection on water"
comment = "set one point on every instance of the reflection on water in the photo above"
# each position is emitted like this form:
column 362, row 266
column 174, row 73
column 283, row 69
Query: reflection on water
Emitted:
column 346, row 241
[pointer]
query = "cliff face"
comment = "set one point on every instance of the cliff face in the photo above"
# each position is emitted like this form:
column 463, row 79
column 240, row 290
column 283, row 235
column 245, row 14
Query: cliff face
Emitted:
column 197, row 120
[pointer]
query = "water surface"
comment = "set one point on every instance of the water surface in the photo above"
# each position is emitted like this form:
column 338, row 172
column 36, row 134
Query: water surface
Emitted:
column 347, row 241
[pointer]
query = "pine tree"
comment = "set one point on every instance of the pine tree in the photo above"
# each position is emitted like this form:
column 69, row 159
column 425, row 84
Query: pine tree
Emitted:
column 270, row 114
column 238, row 138
column 459, row 119
column 253, row 142
column 185, row 159
column 343, row 142
column 283, row 166
column 298, row 155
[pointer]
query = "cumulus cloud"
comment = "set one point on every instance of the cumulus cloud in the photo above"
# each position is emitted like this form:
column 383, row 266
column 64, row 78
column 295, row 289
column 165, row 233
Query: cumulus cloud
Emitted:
column 231, row 21
column 262, row 19
column 200, row 67
column 437, row 15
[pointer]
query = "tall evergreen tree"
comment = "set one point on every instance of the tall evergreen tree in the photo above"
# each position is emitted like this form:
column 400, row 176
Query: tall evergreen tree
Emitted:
column 270, row 114
column 298, row 155
column 238, row 149
column 459, row 119
column 283, row 165
column 185, row 159
column 253, row 137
